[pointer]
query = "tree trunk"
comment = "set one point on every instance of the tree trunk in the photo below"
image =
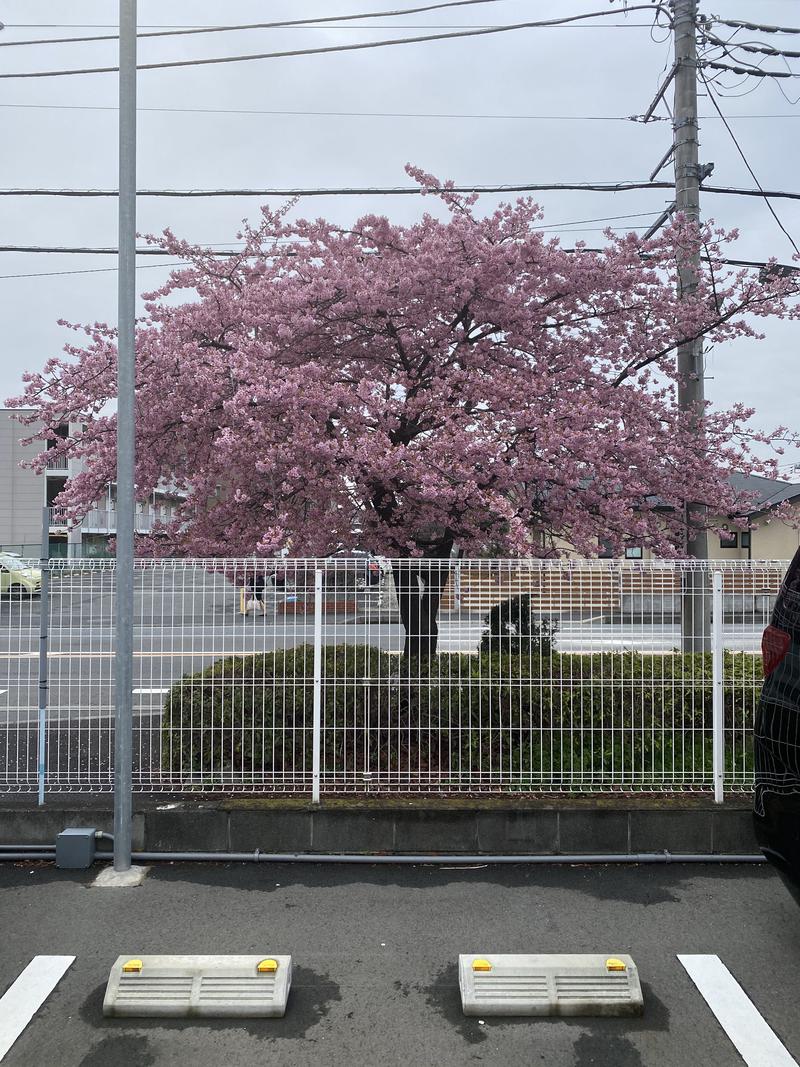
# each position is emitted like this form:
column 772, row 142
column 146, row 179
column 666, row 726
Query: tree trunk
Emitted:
column 419, row 584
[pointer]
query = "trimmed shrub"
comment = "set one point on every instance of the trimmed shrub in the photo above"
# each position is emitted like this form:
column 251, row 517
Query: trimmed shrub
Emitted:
column 520, row 721
column 511, row 627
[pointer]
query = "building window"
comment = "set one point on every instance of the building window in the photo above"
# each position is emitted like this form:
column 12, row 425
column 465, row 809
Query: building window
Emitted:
column 728, row 539
column 633, row 552
column 744, row 539
column 605, row 550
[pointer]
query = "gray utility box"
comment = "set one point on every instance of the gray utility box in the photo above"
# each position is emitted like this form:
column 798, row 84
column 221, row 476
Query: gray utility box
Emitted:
column 549, row 985
column 75, row 847
column 247, row 987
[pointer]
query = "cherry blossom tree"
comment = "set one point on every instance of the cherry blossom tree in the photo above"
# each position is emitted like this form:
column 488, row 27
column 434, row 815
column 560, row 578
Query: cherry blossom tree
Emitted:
column 460, row 382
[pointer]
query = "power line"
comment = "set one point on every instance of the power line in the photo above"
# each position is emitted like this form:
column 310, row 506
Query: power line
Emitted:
column 596, row 187
column 320, row 23
column 379, row 114
column 413, row 190
column 755, row 71
column 754, row 26
column 712, row 97
column 182, row 263
column 763, row 49
column 89, row 270
column 283, row 24
column 565, row 227
column 346, row 114
column 730, row 46
column 326, row 50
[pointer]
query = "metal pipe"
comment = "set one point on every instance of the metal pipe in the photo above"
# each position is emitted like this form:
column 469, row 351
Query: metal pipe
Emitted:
column 44, row 611
column 28, row 848
column 126, row 438
column 27, row 856
column 46, row 851
column 310, row 857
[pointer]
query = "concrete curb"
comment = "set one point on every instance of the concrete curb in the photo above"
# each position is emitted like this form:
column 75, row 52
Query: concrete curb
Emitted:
column 546, row 829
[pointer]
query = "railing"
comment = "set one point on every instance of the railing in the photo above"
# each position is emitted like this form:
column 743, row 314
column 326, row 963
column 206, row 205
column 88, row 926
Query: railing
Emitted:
column 57, row 462
column 60, row 518
column 104, row 520
column 299, row 676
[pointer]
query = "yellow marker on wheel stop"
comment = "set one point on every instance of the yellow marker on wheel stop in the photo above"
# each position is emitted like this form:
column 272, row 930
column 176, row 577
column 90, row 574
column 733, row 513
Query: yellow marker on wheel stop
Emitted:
column 132, row 967
column 267, row 966
column 481, row 965
column 613, row 964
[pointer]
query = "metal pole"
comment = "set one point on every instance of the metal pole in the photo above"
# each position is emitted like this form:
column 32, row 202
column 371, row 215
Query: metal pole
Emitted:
column 718, row 691
column 317, row 726
column 123, row 735
column 691, row 391
column 44, row 612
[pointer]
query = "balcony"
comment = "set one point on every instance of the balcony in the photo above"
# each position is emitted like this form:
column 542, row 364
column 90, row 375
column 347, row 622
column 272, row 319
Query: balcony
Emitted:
column 104, row 520
column 56, row 464
column 60, row 521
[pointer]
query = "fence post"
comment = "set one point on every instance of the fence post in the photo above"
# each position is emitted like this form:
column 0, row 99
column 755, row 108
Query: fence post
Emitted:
column 718, row 692
column 317, row 729
column 44, row 612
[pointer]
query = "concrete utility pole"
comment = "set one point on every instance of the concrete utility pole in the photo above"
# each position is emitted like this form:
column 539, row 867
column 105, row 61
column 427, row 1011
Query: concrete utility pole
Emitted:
column 695, row 613
column 126, row 364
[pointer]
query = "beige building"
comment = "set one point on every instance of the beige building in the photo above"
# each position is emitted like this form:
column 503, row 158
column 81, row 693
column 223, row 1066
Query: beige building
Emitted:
column 770, row 538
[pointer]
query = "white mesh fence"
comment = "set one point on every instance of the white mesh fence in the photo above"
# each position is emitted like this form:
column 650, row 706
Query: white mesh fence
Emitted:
column 363, row 675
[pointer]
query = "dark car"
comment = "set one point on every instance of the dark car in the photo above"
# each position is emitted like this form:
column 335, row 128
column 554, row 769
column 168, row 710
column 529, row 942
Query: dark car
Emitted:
column 777, row 735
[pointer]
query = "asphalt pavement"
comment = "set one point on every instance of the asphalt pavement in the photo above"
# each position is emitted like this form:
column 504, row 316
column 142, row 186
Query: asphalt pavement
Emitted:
column 375, row 950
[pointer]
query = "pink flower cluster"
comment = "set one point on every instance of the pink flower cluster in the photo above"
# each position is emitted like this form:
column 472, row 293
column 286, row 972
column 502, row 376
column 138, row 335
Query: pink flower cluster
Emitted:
column 461, row 381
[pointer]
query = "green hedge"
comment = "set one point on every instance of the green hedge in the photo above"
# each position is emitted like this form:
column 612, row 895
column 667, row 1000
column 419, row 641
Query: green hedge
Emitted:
column 522, row 719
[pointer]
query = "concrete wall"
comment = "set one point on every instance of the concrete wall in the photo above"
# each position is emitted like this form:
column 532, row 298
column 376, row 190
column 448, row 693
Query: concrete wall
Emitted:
column 623, row 826
column 21, row 491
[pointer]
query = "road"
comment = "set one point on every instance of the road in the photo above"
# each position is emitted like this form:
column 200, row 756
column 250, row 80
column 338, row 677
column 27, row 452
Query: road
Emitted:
column 375, row 952
column 81, row 660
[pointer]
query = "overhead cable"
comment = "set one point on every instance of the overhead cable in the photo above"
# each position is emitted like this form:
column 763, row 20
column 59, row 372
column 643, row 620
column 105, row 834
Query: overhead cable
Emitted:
column 89, row 270
column 411, row 190
column 284, row 24
column 326, row 50
column 377, row 114
column 755, row 71
column 783, row 267
column 85, row 250
column 760, row 49
column 712, row 97
column 597, row 187
column 352, row 114
column 754, row 26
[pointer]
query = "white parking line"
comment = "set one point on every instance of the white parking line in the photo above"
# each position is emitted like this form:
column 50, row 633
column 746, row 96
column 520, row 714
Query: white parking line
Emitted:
column 755, row 1042
column 24, row 998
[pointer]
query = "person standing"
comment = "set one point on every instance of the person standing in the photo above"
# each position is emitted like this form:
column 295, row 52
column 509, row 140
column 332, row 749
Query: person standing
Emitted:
column 256, row 583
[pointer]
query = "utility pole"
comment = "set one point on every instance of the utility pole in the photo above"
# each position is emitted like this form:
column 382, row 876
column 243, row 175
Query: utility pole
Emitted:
column 126, row 365
column 695, row 604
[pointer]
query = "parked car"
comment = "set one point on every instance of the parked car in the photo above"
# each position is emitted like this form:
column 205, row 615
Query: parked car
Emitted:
column 777, row 735
column 18, row 576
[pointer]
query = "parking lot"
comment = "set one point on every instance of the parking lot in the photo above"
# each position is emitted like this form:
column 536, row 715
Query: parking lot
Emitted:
column 375, row 950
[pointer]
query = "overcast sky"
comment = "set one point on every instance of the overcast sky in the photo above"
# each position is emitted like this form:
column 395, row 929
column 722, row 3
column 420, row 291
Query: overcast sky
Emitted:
column 65, row 136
